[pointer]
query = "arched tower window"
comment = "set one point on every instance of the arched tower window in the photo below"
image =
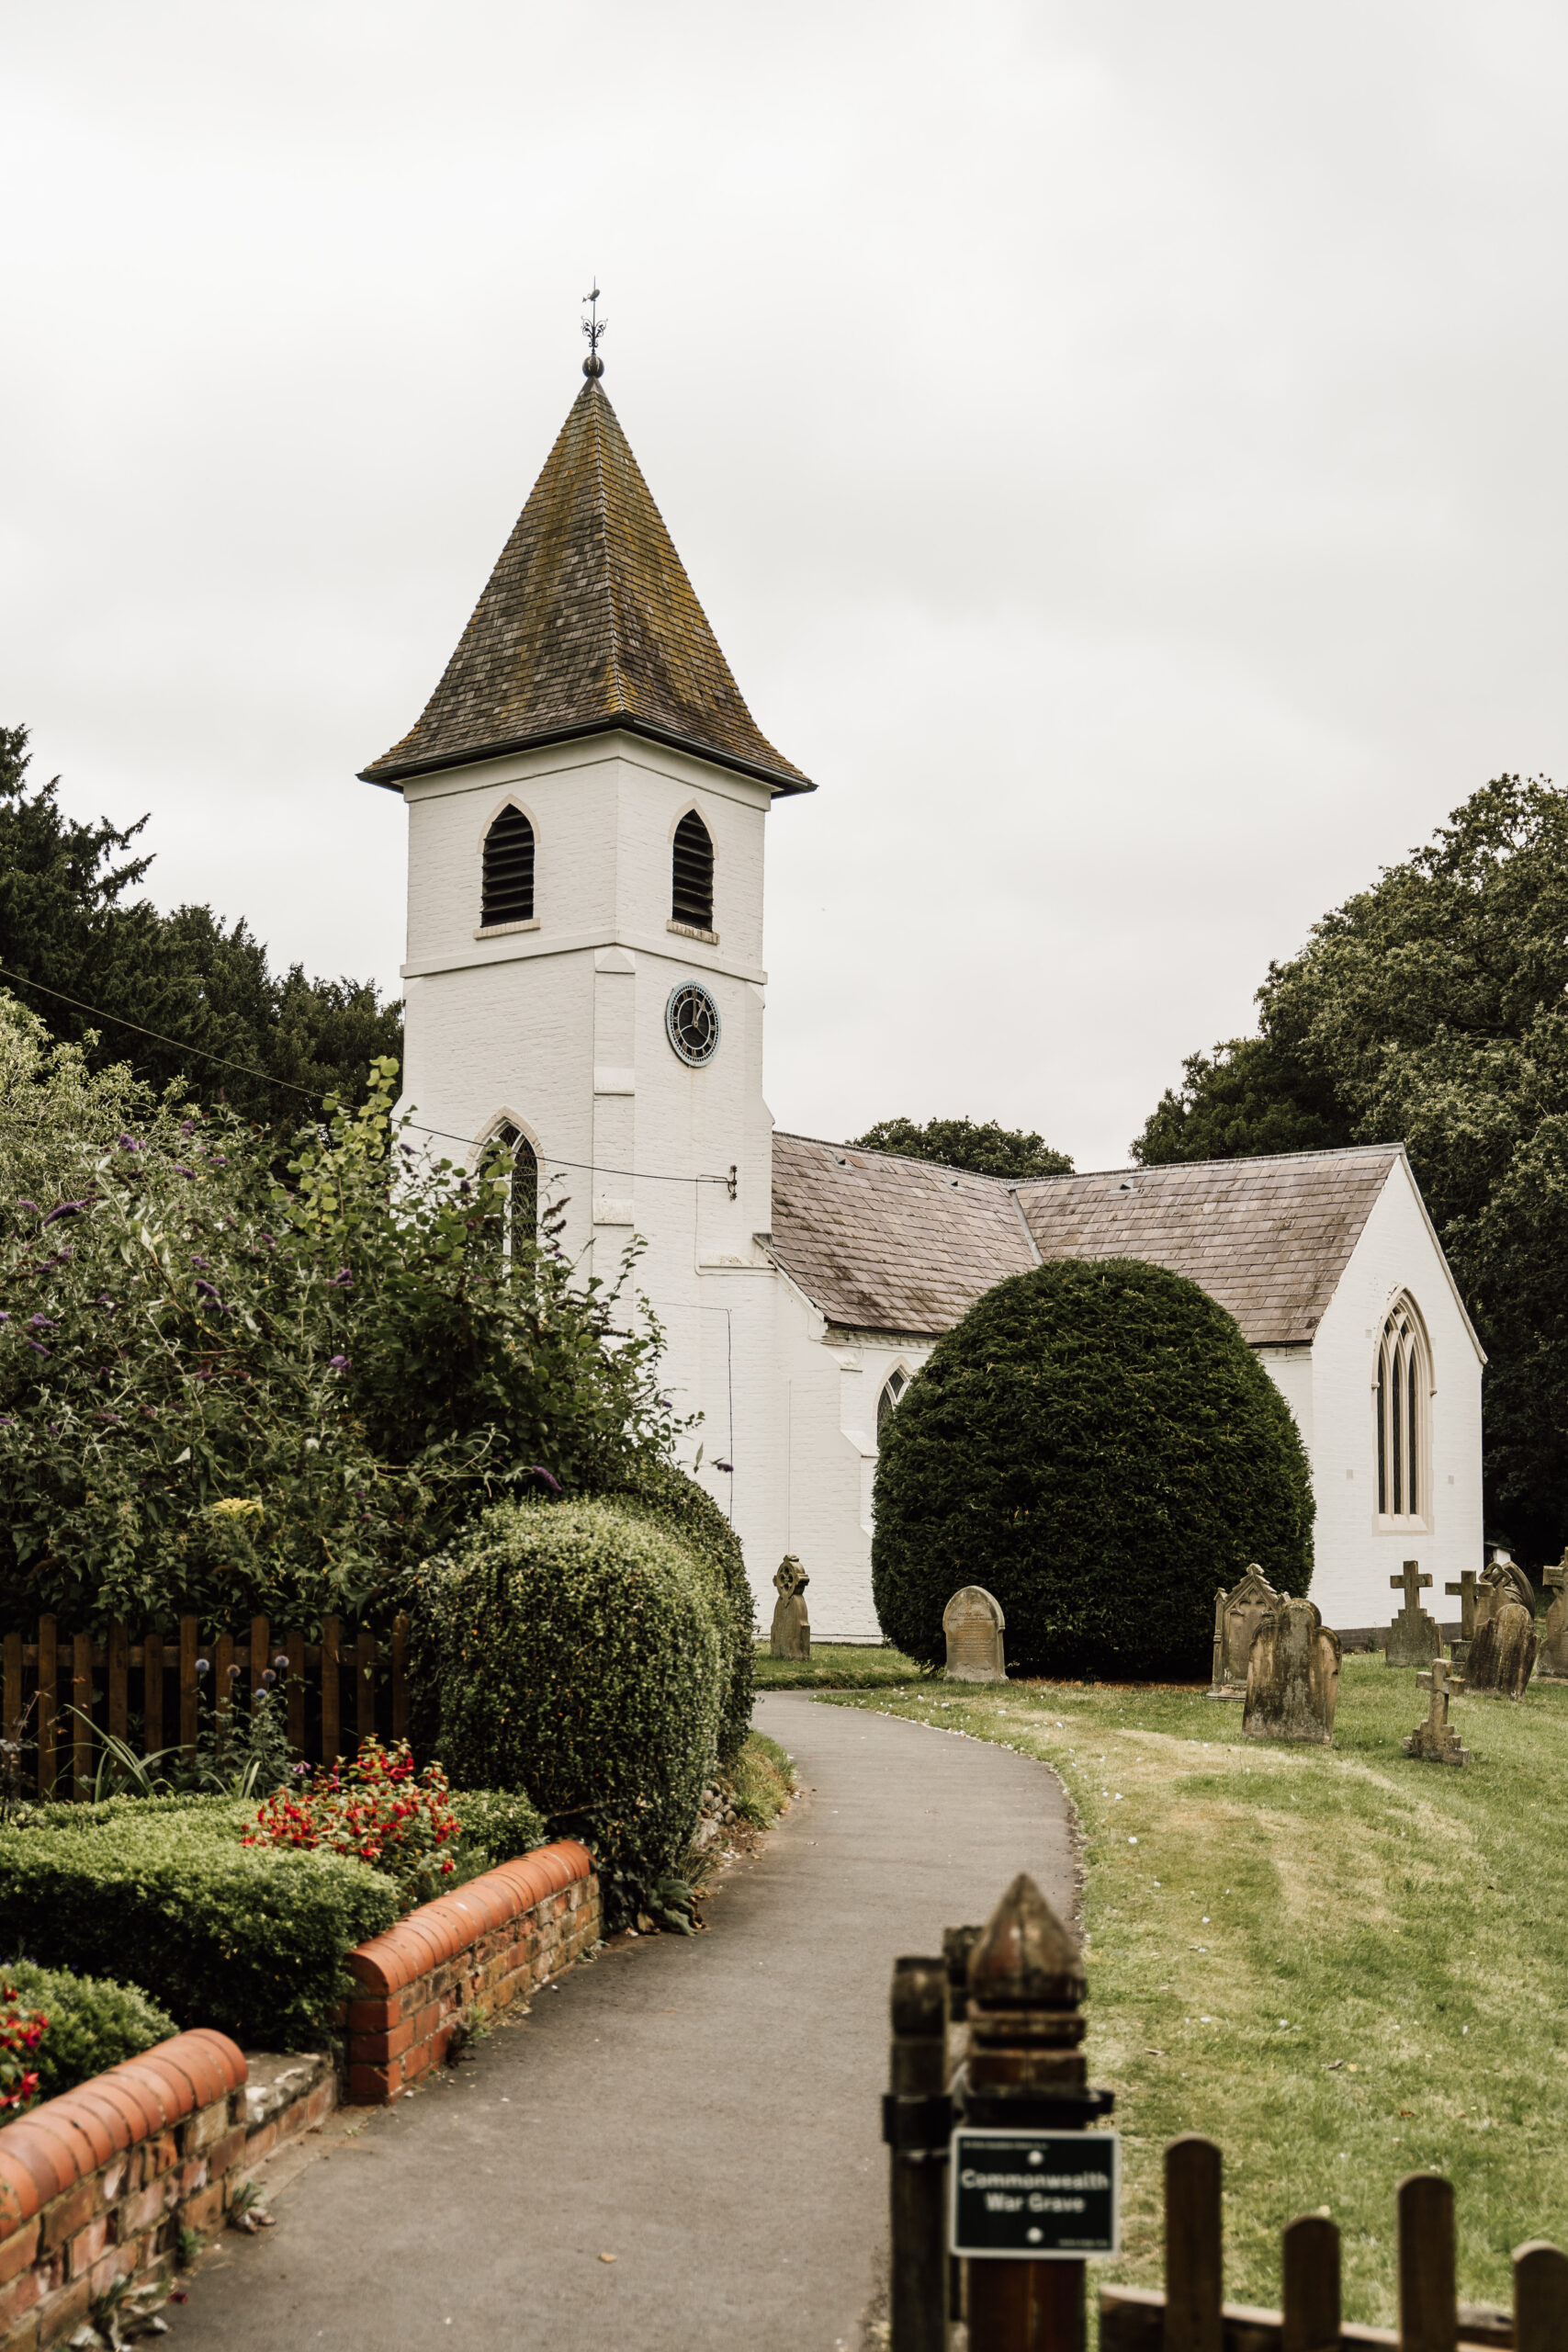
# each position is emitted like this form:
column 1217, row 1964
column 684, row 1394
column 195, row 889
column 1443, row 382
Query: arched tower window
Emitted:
column 1403, row 1394
column 691, row 900
column 520, row 1212
column 887, row 1402
column 507, row 895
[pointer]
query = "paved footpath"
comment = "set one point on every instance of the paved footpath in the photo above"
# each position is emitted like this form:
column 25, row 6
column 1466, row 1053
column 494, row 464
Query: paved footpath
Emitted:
column 705, row 2111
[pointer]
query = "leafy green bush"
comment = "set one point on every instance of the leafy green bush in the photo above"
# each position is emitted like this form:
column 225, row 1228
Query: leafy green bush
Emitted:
column 228, row 1392
column 657, row 1491
column 1098, row 1446
column 574, row 1649
column 496, row 1827
column 160, row 1891
column 92, row 2023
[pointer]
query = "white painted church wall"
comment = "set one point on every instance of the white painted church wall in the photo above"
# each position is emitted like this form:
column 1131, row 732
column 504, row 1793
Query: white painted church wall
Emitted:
column 1357, row 1553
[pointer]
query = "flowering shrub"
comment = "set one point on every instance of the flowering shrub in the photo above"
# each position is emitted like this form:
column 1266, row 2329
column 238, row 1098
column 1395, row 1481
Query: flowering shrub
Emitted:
column 185, row 1330
column 21, row 2030
column 375, row 1810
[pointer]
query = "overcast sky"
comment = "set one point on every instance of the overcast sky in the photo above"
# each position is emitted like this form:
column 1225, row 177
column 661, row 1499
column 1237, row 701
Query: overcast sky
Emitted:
column 1120, row 447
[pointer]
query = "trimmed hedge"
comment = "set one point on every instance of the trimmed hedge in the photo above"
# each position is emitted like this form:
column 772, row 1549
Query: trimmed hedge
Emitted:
column 577, row 1649
column 664, row 1495
column 92, row 2023
column 1097, row 1445
column 250, row 1939
column 496, row 1827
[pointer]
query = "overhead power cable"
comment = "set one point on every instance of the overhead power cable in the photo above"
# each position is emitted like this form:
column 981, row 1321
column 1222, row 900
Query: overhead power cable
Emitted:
column 440, row 1135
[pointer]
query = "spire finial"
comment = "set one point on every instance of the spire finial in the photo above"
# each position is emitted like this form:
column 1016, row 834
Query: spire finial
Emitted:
column 593, row 326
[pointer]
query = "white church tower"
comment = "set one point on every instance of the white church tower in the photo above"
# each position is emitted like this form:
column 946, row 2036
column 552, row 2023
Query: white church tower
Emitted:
column 587, row 797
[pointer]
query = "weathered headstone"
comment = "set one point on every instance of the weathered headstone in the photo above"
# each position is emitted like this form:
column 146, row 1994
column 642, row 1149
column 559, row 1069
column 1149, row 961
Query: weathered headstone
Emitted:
column 1237, row 1614
column 1504, row 1572
column 1502, row 1652
column 1435, row 1739
column 1551, row 1665
column 972, row 1621
column 1292, row 1676
column 1413, row 1638
column 791, row 1627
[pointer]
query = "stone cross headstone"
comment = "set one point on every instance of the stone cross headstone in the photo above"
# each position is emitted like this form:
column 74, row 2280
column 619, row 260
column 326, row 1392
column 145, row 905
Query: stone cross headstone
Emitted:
column 1292, row 1676
column 1465, row 1591
column 972, row 1621
column 1413, row 1638
column 1437, row 1739
column 1551, row 1665
column 792, row 1626
column 1502, row 1652
column 1237, row 1614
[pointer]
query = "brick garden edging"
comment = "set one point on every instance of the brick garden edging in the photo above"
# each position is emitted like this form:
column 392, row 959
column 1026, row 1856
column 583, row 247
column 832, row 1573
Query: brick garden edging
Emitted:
column 97, row 2184
column 466, row 1954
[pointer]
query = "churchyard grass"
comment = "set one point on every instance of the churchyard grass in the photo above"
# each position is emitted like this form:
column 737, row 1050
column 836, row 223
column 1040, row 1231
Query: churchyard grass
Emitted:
column 763, row 1780
column 1342, row 1964
column 835, row 1666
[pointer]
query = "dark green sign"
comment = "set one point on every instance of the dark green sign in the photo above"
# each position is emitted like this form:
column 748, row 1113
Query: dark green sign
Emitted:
column 1033, row 2195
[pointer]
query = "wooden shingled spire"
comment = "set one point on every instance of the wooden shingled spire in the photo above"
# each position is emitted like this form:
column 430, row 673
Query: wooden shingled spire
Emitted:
column 588, row 622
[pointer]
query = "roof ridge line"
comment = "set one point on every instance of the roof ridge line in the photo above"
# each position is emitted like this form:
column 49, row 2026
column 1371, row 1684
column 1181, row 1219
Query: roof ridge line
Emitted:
column 1082, row 1175
column 618, row 690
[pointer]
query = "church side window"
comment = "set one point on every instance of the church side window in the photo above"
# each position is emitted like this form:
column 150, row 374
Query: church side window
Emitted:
column 1403, row 1387
column 520, row 1210
column 690, row 898
column 507, row 895
column 886, row 1403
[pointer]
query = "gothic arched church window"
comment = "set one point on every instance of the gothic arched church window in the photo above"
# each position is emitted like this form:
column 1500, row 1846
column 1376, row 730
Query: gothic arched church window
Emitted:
column 507, row 895
column 691, row 898
column 887, row 1401
column 1403, row 1394
column 520, row 1207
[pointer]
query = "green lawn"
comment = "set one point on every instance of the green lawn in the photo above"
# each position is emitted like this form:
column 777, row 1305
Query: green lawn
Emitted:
column 1342, row 1965
column 836, row 1665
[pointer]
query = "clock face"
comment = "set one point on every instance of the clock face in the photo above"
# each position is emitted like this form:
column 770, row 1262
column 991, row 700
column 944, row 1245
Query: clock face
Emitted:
column 691, row 1024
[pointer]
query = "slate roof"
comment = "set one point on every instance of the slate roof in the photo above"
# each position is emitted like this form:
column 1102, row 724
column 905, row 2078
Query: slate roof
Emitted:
column 883, row 1244
column 588, row 622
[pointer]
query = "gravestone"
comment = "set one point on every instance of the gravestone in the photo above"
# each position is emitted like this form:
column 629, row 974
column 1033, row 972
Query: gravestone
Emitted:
column 791, row 1627
column 972, row 1621
column 1551, row 1665
column 1237, row 1614
column 1504, row 1572
column 1502, row 1652
column 1292, row 1676
column 1436, row 1740
column 1413, row 1638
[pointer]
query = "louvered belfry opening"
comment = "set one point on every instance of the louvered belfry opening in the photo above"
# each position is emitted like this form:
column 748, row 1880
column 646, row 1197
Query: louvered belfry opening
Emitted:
column 692, row 897
column 508, row 871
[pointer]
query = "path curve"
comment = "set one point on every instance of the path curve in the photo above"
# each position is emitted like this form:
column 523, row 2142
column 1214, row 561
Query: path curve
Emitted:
column 707, row 2111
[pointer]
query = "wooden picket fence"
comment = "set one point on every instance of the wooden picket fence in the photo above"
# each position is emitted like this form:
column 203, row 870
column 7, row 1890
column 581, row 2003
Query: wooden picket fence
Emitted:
column 1192, row 2316
column 100, row 1679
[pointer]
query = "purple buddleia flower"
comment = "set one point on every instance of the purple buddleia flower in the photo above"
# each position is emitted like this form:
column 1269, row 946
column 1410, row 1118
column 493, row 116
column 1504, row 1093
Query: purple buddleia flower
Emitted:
column 341, row 1280
column 337, row 1363
column 30, row 1204
column 41, row 1322
column 127, row 1143
column 201, row 1265
column 68, row 1208
column 190, row 1173
column 187, row 1126
column 206, row 1290
column 37, row 1349
column 547, row 1478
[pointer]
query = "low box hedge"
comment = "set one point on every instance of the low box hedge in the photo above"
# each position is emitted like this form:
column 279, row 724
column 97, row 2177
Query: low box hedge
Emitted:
column 249, row 1938
column 94, row 2023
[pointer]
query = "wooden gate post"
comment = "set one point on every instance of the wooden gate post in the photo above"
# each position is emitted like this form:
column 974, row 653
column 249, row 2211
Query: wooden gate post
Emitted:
column 1026, row 2071
column 917, row 2117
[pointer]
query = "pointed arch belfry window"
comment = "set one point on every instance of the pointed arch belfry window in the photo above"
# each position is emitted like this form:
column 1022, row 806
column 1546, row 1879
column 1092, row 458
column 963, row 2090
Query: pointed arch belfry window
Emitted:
column 508, row 892
column 1402, row 1403
column 690, row 896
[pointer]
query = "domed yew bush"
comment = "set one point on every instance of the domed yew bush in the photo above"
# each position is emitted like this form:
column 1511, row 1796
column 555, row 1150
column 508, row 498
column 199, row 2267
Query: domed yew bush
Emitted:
column 578, row 1651
column 1097, row 1445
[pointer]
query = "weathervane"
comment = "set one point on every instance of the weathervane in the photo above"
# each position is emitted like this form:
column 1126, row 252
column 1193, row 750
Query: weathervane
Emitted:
column 593, row 326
